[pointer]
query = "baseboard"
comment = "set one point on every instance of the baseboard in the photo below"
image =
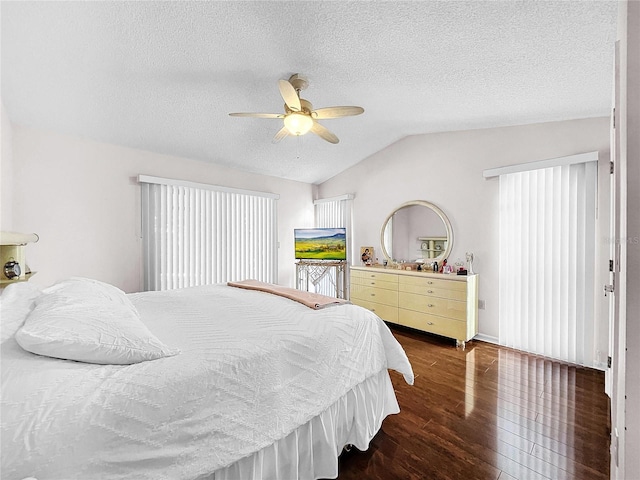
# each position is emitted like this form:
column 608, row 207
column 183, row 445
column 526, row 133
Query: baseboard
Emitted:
column 486, row 338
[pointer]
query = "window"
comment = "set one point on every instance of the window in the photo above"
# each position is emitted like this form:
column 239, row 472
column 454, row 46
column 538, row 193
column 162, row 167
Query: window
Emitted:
column 196, row 234
column 547, row 261
column 332, row 212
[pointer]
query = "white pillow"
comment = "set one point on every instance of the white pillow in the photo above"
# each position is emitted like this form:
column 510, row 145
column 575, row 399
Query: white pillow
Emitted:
column 89, row 321
column 95, row 289
column 16, row 302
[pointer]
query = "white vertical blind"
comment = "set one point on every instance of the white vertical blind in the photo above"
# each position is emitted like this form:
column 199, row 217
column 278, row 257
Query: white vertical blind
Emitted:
column 200, row 234
column 333, row 212
column 547, row 261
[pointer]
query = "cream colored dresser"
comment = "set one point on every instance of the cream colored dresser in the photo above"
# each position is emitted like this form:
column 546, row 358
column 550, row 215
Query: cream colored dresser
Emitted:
column 446, row 305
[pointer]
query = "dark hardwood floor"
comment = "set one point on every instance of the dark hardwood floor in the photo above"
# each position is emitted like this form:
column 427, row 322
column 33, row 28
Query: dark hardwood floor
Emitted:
column 488, row 412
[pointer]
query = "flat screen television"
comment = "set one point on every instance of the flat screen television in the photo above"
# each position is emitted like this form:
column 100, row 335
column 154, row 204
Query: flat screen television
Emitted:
column 320, row 243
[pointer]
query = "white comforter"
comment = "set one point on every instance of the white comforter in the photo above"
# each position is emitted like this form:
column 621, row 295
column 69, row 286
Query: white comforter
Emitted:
column 253, row 368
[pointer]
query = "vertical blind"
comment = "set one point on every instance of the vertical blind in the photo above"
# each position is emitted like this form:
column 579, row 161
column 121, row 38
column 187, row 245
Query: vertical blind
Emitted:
column 547, row 261
column 333, row 213
column 195, row 234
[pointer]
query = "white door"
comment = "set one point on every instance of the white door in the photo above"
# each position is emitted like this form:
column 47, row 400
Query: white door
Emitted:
column 609, row 289
column 614, row 375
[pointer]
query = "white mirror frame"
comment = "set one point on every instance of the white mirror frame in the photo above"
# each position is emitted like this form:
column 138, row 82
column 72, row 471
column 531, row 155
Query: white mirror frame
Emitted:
column 446, row 252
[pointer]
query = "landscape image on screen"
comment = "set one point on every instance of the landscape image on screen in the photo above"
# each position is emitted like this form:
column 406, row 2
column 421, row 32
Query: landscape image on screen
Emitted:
column 321, row 243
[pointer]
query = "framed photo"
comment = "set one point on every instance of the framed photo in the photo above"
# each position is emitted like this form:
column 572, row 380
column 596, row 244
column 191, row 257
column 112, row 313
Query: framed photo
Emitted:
column 366, row 255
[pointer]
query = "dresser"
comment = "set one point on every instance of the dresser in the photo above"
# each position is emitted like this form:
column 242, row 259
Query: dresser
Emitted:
column 445, row 305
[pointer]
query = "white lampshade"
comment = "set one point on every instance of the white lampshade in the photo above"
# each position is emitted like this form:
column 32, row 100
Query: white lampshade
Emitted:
column 298, row 123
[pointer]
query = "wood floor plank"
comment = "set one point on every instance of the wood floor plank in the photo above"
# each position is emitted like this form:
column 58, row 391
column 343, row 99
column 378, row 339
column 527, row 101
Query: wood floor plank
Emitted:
column 488, row 412
column 510, row 448
column 561, row 461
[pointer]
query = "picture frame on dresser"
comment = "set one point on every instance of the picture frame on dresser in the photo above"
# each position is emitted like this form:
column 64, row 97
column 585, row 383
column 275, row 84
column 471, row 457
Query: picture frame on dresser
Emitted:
column 367, row 255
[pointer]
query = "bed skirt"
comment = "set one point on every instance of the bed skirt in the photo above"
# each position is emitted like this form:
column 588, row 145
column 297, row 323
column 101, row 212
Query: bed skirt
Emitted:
column 311, row 451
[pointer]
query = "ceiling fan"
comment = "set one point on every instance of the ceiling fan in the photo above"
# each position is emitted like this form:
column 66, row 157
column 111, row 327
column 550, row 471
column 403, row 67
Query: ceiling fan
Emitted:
column 299, row 116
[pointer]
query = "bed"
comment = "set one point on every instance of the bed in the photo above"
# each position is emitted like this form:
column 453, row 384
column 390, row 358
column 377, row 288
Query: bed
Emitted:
column 249, row 385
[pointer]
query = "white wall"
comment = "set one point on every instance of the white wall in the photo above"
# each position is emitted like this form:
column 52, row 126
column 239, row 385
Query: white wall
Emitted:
column 6, row 170
column 82, row 199
column 446, row 169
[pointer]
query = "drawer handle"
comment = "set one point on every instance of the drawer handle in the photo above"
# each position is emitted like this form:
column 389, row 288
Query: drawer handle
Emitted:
column 429, row 291
column 373, row 309
column 429, row 323
column 430, row 305
column 373, row 283
column 430, row 282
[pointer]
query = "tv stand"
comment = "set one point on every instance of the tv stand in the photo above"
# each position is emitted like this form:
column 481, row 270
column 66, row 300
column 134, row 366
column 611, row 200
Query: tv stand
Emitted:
column 328, row 277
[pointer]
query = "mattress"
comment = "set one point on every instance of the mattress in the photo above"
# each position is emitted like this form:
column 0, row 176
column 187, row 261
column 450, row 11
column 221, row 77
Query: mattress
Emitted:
column 255, row 370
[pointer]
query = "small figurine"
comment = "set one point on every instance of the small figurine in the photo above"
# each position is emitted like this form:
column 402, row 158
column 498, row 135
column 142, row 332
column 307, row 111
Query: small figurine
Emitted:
column 470, row 262
column 442, row 267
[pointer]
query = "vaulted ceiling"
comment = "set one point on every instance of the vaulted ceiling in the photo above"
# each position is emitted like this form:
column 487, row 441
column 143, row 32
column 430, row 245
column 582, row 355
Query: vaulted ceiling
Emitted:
column 163, row 76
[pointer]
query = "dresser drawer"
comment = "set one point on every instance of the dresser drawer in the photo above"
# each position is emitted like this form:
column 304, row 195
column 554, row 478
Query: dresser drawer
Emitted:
column 374, row 294
column 433, row 324
column 443, row 307
column 433, row 283
column 372, row 274
column 430, row 290
column 374, row 282
column 385, row 312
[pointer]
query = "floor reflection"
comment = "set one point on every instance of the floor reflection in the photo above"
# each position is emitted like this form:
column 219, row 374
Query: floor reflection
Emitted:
column 543, row 393
column 470, row 382
column 488, row 412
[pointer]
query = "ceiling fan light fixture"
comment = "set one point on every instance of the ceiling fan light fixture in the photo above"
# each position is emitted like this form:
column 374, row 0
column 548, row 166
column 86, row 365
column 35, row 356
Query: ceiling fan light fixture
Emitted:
column 298, row 123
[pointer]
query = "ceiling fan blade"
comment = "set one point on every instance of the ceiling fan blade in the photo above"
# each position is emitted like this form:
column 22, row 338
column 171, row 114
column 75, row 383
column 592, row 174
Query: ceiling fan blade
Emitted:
column 258, row 115
column 324, row 133
column 289, row 95
column 337, row 112
column 283, row 132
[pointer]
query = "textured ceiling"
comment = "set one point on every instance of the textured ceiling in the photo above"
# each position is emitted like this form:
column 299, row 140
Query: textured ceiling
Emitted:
column 164, row 76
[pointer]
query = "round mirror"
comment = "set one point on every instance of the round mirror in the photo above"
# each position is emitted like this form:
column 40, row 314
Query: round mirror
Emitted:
column 416, row 230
